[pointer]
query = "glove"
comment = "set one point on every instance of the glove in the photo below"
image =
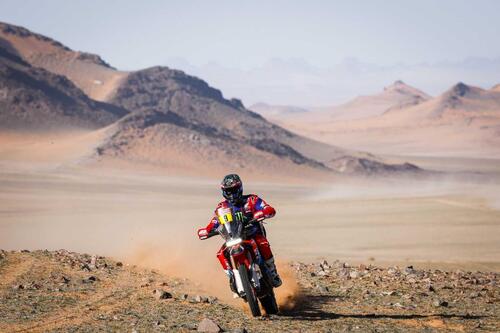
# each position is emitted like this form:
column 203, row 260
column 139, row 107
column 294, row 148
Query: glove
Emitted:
column 202, row 233
column 259, row 216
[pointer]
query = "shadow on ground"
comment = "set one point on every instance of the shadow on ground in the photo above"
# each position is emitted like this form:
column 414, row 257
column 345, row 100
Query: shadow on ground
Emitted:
column 311, row 308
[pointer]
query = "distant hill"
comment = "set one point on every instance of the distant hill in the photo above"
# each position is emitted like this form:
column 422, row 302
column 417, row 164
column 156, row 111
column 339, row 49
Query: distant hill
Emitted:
column 167, row 118
column 396, row 96
column 88, row 71
column 463, row 121
column 33, row 98
column 276, row 112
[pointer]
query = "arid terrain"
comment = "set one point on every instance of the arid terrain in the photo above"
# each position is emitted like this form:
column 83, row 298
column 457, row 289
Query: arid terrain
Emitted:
column 402, row 120
column 118, row 169
column 64, row 291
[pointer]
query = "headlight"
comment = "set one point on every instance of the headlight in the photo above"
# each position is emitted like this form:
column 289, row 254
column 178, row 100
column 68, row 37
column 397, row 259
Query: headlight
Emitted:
column 233, row 242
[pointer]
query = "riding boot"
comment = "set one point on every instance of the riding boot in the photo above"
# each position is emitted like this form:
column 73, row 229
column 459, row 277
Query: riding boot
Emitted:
column 232, row 281
column 275, row 277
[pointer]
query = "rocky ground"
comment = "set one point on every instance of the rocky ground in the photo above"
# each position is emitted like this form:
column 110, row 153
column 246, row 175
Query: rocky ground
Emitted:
column 47, row 291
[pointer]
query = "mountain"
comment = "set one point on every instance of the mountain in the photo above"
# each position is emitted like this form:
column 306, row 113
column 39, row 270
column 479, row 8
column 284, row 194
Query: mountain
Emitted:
column 87, row 71
column 173, row 111
column 460, row 104
column 33, row 98
column 463, row 121
column 396, row 96
column 170, row 119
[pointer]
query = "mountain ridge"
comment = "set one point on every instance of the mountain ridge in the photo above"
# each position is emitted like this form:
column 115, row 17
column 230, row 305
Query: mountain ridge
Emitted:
column 171, row 113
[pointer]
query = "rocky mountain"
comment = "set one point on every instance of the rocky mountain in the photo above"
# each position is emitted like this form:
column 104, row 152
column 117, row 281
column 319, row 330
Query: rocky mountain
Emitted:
column 87, row 71
column 175, row 120
column 33, row 98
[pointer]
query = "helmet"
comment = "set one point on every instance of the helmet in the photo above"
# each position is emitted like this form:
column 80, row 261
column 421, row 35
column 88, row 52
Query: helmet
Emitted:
column 232, row 188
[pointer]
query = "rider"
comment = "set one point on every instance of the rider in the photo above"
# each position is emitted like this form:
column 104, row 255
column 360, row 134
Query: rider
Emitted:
column 252, row 207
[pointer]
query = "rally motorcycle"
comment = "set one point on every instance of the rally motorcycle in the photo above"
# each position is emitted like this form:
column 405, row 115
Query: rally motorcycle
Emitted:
column 251, row 278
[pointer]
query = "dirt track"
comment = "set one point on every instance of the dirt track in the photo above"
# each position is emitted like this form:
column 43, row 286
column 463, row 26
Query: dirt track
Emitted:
column 62, row 291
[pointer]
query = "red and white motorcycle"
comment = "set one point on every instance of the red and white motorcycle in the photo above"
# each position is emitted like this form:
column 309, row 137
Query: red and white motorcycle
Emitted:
column 251, row 277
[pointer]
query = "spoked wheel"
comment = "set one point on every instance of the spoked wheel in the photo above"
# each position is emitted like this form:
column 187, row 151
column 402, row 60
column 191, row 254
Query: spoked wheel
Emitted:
column 249, row 291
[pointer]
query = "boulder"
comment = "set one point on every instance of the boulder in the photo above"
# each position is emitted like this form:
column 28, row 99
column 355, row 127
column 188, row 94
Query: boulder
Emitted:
column 207, row 325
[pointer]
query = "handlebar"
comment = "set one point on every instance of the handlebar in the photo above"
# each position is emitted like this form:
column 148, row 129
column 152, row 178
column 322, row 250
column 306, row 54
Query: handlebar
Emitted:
column 212, row 233
column 246, row 224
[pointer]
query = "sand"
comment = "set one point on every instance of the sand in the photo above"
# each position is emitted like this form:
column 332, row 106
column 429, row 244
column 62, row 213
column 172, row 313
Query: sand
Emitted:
column 116, row 213
column 51, row 198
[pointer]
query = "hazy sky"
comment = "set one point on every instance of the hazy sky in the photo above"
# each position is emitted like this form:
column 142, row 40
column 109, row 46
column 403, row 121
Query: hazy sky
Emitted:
column 247, row 35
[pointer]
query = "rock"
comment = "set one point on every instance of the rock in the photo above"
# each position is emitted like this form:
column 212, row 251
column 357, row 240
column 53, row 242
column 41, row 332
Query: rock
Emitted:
column 431, row 288
column 93, row 262
column 439, row 302
column 189, row 326
column 34, row 286
column 183, row 297
column 119, row 264
column 86, row 267
column 392, row 270
column 18, row 287
column 200, row 299
column 388, row 293
column 207, row 325
column 354, row 274
column 344, row 273
column 212, row 299
column 409, row 270
column 92, row 278
column 322, row 273
column 161, row 294
column 239, row 330
column 411, row 280
column 322, row 289
column 65, row 279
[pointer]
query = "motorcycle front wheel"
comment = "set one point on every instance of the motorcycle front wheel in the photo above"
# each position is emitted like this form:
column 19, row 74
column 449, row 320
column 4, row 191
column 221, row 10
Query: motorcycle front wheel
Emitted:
column 250, row 295
column 269, row 303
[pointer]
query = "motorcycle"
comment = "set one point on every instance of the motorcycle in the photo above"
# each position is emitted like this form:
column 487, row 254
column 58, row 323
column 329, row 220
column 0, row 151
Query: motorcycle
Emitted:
column 252, row 281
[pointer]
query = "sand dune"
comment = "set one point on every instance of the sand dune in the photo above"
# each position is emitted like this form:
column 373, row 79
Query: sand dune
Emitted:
column 463, row 121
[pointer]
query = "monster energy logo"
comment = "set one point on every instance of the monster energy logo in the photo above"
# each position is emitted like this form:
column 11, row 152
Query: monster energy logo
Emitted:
column 238, row 216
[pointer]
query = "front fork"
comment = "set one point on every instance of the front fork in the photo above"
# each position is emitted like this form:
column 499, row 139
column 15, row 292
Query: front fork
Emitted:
column 253, row 268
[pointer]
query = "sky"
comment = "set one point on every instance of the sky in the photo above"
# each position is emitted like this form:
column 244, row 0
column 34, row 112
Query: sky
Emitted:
column 283, row 52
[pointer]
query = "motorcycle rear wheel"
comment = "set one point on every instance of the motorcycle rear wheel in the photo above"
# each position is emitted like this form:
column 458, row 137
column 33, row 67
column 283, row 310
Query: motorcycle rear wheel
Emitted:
column 250, row 295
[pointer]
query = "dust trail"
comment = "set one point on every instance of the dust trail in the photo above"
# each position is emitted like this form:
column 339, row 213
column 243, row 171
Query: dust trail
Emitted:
column 289, row 294
column 206, row 275
column 185, row 262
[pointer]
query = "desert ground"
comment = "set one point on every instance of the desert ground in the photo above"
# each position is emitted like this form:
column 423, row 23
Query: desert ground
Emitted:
column 451, row 218
column 147, row 220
